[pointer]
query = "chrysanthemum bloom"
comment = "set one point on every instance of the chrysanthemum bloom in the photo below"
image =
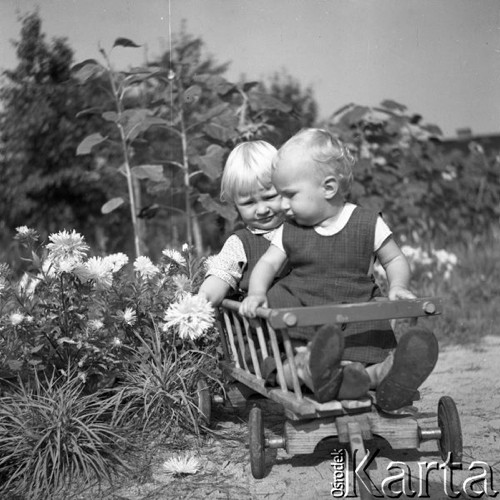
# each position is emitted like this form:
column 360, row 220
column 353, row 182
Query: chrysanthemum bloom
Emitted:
column 16, row 318
column 26, row 233
column 174, row 255
column 27, row 285
column 66, row 245
column 129, row 316
column 182, row 465
column 145, row 267
column 116, row 261
column 182, row 284
column 96, row 269
column 95, row 324
column 193, row 314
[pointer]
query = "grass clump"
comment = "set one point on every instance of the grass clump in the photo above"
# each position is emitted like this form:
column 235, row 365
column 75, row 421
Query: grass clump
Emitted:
column 53, row 435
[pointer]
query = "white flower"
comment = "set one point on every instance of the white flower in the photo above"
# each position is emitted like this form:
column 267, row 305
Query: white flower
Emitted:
column 27, row 285
column 129, row 316
column 185, row 247
column 182, row 465
column 182, row 284
column 95, row 324
column 67, row 245
column 193, row 314
column 66, row 264
column 24, row 233
column 16, row 318
column 174, row 255
column 23, row 230
column 117, row 342
column 116, row 261
column 145, row 267
column 99, row 270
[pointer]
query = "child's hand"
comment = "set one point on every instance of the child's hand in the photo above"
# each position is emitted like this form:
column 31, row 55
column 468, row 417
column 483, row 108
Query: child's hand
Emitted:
column 400, row 293
column 249, row 305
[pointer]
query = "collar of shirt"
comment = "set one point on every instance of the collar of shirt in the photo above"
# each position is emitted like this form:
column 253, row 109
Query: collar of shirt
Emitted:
column 268, row 234
column 339, row 223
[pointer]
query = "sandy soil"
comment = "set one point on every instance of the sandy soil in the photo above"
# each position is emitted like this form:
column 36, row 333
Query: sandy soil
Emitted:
column 471, row 376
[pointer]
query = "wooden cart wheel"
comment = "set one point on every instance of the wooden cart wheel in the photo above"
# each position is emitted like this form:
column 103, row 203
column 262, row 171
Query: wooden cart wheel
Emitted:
column 451, row 430
column 257, row 443
column 204, row 401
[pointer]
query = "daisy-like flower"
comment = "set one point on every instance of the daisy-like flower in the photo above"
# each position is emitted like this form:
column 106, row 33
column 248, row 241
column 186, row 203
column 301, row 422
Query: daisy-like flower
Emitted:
column 193, row 315
column 182, row 465
column 66, row 265
column 116, row 261
column 129, row 316
column 27, row 285
column 16, row 318
column 174, row 255
column 98, row 270
column 145, row 267
column 117, row 342
column 25, row 233
column 182, row 284
column 67, row 245
column 95, row 324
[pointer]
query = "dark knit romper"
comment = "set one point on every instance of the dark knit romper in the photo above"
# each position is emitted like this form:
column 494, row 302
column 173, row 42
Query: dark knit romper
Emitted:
column 255, row 246
column 334, row 269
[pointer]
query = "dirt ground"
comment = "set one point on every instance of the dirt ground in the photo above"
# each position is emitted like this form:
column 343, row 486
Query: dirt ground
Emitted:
column 471, row 376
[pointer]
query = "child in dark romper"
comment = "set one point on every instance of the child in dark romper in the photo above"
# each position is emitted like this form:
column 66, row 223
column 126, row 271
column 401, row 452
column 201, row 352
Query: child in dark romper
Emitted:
column 246, row 184
column 331, row 246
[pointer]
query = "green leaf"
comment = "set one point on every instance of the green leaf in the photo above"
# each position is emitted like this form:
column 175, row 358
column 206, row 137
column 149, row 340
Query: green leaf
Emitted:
column 212, row 112
column 260, row 101
column 110, row 116
column 152, row 172
column 89, row 111
column 87, row 70
column 212, row 162
column 85, row 147
column 14, row 364
column 124, row 42
column 355, row 115
column 220, row 132
column 393, row 105
column 192, row 94
column 112, row 204
column 228, row 212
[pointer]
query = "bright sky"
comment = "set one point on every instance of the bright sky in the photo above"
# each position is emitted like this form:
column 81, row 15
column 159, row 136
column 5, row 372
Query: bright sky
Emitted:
column 441, row 58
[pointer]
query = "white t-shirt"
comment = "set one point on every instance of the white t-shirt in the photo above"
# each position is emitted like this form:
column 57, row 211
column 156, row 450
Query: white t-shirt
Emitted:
column 382, row 231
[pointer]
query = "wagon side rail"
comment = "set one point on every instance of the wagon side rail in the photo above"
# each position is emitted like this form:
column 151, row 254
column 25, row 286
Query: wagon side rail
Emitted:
column 345, row 313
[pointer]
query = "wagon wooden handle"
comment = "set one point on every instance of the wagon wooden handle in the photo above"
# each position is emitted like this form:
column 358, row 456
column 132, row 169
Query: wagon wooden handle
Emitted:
column 234, row 305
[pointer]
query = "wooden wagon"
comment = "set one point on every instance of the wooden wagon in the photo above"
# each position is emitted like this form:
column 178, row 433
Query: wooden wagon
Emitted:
column 246, row 343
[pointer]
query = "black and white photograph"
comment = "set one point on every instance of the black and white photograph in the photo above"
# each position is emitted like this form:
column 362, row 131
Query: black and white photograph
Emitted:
column 249, row 249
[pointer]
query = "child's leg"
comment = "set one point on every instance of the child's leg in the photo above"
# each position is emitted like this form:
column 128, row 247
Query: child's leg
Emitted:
column 414, row 359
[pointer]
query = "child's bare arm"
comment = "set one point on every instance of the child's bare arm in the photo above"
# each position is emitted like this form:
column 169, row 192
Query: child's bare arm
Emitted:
column 214, row 290
column 397, row 269
column 260, row 280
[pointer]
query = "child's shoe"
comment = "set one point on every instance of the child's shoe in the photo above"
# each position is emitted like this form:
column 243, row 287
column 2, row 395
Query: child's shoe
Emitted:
column 326, row 349
column 414, row 359
column 355, row 382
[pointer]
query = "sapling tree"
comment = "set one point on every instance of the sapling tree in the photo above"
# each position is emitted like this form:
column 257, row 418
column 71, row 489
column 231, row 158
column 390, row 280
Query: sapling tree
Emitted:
column 189, row 117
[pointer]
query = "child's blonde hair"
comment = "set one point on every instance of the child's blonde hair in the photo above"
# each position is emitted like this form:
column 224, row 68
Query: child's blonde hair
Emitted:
column 330, row 156
column 248, row 165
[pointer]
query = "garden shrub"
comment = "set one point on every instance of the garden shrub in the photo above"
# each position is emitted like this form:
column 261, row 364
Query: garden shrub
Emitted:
column 91, row 347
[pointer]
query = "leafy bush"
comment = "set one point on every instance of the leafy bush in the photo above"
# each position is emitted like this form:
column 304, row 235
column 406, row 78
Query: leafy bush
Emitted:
column 429, row 197
column 68, row 308
column 99, row 347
